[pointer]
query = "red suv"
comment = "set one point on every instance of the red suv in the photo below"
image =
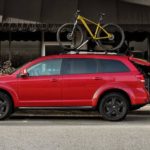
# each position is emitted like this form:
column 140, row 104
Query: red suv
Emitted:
column 107, row 83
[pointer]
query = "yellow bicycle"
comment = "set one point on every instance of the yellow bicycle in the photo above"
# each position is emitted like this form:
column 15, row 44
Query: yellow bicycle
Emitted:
column 109, row 36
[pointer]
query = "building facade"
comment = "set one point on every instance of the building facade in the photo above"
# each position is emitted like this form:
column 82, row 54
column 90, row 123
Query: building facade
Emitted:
column 28, row 27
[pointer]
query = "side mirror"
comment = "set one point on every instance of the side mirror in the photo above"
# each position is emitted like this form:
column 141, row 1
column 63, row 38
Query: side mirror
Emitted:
column 24, row 73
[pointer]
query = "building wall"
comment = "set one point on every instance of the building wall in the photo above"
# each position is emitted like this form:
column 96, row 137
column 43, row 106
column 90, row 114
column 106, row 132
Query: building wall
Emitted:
column 21, row 51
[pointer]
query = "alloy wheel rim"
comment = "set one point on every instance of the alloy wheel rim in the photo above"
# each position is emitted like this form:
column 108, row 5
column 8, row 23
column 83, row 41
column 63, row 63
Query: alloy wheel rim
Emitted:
column 114, row 107
column 3, row 107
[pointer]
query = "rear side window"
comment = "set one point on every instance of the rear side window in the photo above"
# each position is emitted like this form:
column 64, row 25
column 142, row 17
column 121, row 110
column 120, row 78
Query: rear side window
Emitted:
column 78, row 66
column 111, row 66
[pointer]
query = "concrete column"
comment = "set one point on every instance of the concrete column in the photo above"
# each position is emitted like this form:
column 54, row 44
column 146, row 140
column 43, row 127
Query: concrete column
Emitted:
column 148, row 48
column 42, row 45
column 10, row 53
column 0, row 53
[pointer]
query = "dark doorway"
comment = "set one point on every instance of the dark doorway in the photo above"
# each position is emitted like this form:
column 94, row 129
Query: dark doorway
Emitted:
column 52, row 50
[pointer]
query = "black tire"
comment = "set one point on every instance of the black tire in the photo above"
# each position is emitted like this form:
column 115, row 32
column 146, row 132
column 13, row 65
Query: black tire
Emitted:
column 6, row 106
column 63, row 35
column 113, row 107
column 116, row 41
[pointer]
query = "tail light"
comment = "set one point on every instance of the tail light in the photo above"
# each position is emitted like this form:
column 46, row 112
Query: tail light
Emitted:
column 141, row 78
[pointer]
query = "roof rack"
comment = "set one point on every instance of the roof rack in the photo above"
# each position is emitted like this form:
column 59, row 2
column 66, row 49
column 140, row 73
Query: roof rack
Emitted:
column 90, row 51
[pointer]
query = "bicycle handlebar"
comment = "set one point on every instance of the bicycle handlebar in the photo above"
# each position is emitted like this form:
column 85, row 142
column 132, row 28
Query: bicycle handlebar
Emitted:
column 102, row 14
column 77, row 13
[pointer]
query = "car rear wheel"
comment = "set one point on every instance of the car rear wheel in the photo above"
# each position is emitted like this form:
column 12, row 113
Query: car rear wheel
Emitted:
column 113, row 107
column 6, row 106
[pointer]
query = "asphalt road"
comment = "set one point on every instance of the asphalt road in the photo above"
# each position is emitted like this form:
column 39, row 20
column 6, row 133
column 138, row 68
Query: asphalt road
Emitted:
column 74, row 132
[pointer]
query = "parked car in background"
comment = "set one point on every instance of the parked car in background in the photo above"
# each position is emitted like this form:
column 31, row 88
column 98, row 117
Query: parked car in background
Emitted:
column 110, row 84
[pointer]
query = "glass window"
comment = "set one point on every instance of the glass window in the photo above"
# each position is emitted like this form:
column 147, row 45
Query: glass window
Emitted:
column 111, row 66
column 78, row 66
column 48, row 67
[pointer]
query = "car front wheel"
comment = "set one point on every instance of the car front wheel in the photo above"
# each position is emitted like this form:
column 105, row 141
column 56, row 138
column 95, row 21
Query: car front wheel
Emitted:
column 113, row 107
column 5, row 106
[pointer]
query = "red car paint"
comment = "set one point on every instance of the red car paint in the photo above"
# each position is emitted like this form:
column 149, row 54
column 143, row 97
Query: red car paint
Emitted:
column 140, row 61
column 75, row 89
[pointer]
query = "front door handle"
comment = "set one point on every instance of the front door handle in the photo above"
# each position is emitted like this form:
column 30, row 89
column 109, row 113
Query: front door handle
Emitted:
column 97, row 78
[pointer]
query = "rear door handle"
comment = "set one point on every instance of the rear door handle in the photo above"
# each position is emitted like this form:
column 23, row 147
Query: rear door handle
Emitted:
column 54, row 80
column 97, row 78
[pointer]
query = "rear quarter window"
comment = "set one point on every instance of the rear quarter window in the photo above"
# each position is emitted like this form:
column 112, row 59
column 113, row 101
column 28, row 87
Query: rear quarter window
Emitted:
column 111, row 66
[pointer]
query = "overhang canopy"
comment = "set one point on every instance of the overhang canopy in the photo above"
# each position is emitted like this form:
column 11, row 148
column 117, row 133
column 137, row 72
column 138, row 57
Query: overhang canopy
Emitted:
column 135, row 13
column 25, row 27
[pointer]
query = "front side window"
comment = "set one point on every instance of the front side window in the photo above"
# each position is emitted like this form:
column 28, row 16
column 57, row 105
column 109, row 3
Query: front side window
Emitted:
column 78, row 66
column 44, row 68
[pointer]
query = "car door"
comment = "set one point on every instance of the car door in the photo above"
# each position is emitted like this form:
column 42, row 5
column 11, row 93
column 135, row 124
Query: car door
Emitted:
column 80, row 81
column 42, row 86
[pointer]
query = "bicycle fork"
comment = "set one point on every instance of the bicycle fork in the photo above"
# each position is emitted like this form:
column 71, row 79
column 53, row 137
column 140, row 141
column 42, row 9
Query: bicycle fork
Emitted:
column 74, row 26
column 76, row 22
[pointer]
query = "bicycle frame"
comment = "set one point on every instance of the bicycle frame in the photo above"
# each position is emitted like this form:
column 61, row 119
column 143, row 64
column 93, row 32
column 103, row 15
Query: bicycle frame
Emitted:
column 98, row 28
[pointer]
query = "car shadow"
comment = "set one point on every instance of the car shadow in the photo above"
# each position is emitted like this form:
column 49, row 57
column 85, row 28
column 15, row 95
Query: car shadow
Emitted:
column 73, row 118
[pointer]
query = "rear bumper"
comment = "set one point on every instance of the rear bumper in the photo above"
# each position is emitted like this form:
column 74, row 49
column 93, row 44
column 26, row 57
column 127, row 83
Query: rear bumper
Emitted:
column 141, row 97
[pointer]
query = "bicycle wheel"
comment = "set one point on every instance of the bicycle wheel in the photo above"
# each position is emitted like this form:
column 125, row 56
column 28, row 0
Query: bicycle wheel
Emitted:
column 117, row 39
column 68, row 41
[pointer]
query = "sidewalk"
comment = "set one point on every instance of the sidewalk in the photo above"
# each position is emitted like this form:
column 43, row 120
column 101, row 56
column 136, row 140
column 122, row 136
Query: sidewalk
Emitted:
column 73, row 113
column 142, row 111
column 145, row 108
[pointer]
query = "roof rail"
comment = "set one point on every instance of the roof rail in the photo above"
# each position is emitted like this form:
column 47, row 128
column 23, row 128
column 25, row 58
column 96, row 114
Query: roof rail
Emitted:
column 85, row 51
